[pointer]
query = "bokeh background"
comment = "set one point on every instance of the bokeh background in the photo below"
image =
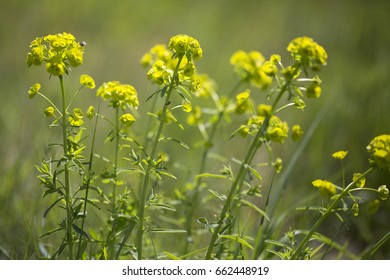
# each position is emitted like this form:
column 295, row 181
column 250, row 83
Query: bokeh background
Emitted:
column 356, row 86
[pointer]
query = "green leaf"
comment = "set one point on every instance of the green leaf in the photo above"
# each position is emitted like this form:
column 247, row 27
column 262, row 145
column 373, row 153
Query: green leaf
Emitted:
column 253, row 171
column 167, row 230
column 202, row 220
column 50, row 232
column 163, row 206
column 51, row 206
column 80, row 231
column 237, row 239
column 175, row 140
column 220, row 196
column 211, row 175
column 171, row 256
column 254, row 207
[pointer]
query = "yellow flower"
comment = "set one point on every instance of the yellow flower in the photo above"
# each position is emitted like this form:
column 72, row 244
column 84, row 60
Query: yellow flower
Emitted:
column 379, row 149
column 308, row 52
column 77, row 118
column 361, row 182
column 87, row 81
column 296, row 132
column 195, row 117
column 118, row 94
column 340, row 154
column 313, row 91
column 264, row 110
column 326, row 188
column 278, row 164
column 91, row 112
column 34, row 90
column 243, row 103
column 186, row 106
column 277, row 130
column 185, row 45
column 59, row 51
column 127, row 119
column 49, row 112
column 383, row 192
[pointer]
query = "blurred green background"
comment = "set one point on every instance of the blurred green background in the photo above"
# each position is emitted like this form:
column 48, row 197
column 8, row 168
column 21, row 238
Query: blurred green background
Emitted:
column 356, row 84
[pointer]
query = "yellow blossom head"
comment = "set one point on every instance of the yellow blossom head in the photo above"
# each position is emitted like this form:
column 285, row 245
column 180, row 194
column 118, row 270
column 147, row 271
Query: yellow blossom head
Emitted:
column 277, row 130
column 379, row 150
column 307, row 52
column 34, row 90
column 49, row 112
column 360, row 181
column 296, row 132
column 76, row 119
column 184, row 45
column 118, row 94
column 340, row 154
column 326, row 188
column 59, row 52
column 87, row 81
column 127, row 119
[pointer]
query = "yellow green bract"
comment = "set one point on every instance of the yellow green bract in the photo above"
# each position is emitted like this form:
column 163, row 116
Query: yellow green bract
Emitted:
column 326, row 188
column 379, row 149
column 340, row 154
column 59, row 52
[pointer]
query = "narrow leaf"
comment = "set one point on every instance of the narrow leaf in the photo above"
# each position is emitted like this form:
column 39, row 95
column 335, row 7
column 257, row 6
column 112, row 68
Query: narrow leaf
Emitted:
column 50, row 207
column 254, row 207
column 172, row 256
column 80, row 231
column 220, row 196
column 167, row 230
column 237, row 239
column 175, row 140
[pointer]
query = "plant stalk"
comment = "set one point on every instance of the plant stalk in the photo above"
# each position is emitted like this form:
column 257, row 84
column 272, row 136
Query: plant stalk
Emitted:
column 143, row 191
column 68, row 204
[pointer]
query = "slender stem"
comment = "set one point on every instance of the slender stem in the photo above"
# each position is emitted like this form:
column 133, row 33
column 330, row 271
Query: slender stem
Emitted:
column 68, row 204
column 115, row 183
column 255, row 145
column 325, row 215
column 143, row 191
column 87, row 183
column 208, row 145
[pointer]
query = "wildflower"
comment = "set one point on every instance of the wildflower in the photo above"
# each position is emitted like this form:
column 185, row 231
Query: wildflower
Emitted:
column 195, row 117
column 296, row 132
column 91, row 112
column 277, row 130
column 184, row 45
column 299, row 103
column 243, row 103
column 251, row 67
column 159, row 73
column 87, row 81
column 157, row 52
column 307, row 52
column 340, row 154
column 379, row 149
column 34, row 90
column 383, row 192
column 186, row 106
column 118, row 94
column 361, row 182
column 264, row 110
column 313, row 91
column 60, row 52
column 127, row 119
column 355, row 209
column 76, row 119
column 326, row 188
column 278, row 164
column 49, row 112
column 202, row 85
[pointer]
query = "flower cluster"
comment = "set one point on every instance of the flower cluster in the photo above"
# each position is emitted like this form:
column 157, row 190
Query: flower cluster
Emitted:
column 184, row 45
column 379, row 149
column 326, row 188
column 59, row 52
column 118, row 94
column 307, row 52
column 252, row 67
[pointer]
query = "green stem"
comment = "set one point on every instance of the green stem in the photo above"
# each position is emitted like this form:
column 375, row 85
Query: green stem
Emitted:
column 115, row 183
column 87, row 183
column 202, row 166
column 145, row 184
column 325, row 215
column 68, row 204
column 236, row 185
